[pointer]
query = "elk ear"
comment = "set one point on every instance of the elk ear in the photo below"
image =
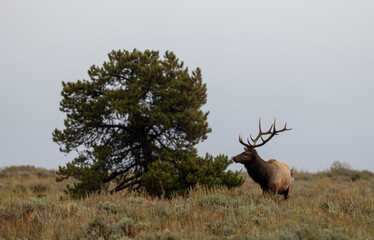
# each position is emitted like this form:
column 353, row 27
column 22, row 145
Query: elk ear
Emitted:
column 245, row 149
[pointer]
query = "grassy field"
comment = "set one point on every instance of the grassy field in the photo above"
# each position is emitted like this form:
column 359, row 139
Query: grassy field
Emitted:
column 335, row 204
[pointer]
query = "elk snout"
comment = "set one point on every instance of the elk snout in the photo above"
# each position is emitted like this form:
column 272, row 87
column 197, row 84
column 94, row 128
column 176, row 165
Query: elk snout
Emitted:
column 236, row 159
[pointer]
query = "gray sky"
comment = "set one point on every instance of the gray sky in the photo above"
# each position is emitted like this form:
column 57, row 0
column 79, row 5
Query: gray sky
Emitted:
column 308, row 63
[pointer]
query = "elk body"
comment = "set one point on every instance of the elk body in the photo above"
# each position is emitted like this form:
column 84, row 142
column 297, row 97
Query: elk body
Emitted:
column 273, row 176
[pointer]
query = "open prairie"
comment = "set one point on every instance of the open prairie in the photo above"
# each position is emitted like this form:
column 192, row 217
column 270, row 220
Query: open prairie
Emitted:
column 334, row 204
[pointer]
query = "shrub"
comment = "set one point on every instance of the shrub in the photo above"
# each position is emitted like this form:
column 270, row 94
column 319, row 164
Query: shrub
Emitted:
column 217, row 200
column 164, row 235
column 45, row 174
column 178, row 176
column 139, row 226
column 21, row 187
column 110, row 207
column 32, row 204
column 303, row 177
column 126, row 225
column 97, row 227
column 3, row 174
column 10, row 213
column 343, row 171
column 90, row 179
column 24, row 174
column 307, row 232
column 39, row 187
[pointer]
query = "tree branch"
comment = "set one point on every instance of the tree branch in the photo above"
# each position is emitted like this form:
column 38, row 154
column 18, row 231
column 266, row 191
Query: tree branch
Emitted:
column 115, row 174
column 123, row 184
column 126, row 186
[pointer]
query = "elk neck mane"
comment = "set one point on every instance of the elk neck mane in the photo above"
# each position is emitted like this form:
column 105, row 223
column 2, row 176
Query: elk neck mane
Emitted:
column 258, row 170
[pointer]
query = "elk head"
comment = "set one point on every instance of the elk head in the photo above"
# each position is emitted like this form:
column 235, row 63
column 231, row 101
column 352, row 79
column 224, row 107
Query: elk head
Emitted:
column 250, row 153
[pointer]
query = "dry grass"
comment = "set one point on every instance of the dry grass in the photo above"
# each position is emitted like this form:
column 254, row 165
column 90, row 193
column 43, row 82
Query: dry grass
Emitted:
column 327, row 205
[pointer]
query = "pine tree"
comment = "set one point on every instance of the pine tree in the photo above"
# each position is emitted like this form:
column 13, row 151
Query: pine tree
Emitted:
column 135, row 110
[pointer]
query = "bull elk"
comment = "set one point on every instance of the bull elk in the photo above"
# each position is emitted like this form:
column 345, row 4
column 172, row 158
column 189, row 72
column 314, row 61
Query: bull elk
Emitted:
column 273, row 176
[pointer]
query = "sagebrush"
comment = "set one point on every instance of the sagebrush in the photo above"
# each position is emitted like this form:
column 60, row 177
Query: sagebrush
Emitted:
column 321, row 206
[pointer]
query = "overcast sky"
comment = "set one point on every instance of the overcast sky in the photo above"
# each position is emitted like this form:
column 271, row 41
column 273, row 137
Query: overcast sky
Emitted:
column 307, row 63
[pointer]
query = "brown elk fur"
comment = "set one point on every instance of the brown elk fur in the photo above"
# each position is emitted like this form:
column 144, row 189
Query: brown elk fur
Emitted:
column 273, row 176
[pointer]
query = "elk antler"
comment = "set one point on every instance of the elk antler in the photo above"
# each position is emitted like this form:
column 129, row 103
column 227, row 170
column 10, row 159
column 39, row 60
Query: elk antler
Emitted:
column 272, row 131
column 241, row 141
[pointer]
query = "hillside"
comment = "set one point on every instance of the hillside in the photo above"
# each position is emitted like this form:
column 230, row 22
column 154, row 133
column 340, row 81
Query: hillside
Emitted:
column 334, row 204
